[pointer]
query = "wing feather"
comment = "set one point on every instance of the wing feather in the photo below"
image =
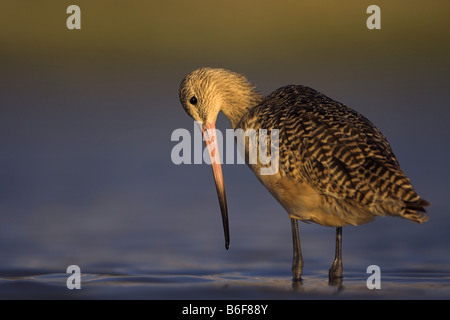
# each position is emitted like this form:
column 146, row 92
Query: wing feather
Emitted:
column 336, row 150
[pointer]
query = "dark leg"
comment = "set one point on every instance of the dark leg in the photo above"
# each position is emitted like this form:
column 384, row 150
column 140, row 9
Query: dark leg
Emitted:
column 336, row 270
column 297, row 261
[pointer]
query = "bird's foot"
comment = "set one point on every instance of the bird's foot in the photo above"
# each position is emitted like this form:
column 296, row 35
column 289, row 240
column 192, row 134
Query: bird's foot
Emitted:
column 297, row 284
column 335, row 282
column 297, row 278
column 297, row 281
column 297, row 270
column 335, row 276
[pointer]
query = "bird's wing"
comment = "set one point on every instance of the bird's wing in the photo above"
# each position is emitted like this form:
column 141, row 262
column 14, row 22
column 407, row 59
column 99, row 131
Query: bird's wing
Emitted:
column 334, row 149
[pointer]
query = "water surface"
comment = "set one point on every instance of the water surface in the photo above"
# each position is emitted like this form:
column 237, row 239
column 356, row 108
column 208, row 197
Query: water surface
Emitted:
column 86, row 176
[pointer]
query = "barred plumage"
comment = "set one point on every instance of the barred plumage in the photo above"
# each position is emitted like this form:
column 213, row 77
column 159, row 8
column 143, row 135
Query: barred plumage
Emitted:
column 339, row 153
column 335, row 167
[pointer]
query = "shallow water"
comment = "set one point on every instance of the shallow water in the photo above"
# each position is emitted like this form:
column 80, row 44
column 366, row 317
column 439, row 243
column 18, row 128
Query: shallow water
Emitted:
column 87, row 180
column 188, row 261
column 231, row 285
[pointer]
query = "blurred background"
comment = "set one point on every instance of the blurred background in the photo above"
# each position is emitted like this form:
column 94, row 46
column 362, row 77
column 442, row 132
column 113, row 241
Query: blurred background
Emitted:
column 86, row 118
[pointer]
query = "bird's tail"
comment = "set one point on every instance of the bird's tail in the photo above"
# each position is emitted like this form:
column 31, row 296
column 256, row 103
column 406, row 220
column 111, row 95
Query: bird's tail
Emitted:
column 415, row 210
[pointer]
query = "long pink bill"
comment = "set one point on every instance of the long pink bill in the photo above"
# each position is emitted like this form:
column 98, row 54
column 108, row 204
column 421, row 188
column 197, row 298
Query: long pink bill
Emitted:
column 209, row 134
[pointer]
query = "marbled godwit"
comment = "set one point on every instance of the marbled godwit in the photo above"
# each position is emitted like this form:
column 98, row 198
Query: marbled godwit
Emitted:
column 335, row 166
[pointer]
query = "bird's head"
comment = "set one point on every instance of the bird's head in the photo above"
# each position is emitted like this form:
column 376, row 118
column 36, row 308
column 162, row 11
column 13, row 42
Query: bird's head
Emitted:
column 206, row 91
column 200, row 96
column 203, row 94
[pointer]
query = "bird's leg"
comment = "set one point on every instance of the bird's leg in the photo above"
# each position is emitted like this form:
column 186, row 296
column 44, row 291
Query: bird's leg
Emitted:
column 297, row 261
column 336, row 269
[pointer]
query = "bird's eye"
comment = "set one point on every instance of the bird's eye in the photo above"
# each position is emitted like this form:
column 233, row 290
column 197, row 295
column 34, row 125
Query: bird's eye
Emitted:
column 193, row 100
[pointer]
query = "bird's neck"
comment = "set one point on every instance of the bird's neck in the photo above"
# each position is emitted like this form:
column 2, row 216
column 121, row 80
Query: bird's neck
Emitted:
column 238, row 102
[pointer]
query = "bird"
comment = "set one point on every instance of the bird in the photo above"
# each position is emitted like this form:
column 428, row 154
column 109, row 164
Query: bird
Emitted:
column 335, row 168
